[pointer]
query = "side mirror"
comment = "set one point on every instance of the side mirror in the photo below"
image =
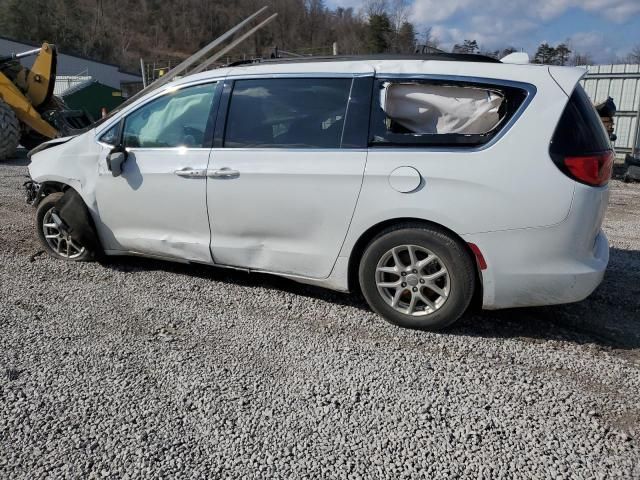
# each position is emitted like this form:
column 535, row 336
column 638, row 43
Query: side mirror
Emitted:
column 115, row 161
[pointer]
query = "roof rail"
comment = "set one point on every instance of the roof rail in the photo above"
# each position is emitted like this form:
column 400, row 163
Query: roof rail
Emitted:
column 448, row 57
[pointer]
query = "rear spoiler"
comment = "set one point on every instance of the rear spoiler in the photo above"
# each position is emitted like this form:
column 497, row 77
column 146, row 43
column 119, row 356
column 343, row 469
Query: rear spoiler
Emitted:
column 567, row 77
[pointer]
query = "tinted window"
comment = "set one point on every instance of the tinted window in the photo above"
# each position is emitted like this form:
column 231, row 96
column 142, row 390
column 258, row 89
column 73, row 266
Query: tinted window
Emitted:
column 579, row 130
column 177, row 119
column 356, row 128
column 440, row 113
column 291, row 112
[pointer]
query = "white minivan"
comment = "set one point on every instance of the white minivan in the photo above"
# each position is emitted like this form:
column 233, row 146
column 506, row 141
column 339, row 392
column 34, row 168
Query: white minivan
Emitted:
column 421, row 182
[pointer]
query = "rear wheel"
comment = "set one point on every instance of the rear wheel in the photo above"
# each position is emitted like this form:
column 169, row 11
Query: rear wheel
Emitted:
column 9, row 131
column 55, row 242
column 417, row 277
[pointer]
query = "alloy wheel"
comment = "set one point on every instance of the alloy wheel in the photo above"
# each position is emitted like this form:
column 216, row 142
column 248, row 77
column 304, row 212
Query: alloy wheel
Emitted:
column 412, row 280
column 60, row 242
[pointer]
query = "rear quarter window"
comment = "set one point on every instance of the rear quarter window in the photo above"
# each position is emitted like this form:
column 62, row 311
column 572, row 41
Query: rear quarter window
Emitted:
column 427, row 113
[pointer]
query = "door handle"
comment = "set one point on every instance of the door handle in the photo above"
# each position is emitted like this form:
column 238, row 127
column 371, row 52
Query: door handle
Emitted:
column 224, row 172
column 188, row 172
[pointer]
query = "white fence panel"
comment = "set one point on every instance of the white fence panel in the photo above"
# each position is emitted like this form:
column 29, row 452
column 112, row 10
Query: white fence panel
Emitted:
column 622, row 83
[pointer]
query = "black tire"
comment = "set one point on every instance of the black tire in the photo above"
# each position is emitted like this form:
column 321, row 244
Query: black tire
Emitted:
column 9, row 131
column 45, row 206
column 451, row 254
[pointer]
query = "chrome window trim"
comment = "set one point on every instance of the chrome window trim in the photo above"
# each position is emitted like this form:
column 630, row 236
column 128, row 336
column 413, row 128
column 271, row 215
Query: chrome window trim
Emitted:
column 166, row 149
column 253, row 76
column 287, row 149
column 530, row 90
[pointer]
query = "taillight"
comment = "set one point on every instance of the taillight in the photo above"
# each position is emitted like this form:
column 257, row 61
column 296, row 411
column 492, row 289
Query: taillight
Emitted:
column 580, row 145
column 594, row 170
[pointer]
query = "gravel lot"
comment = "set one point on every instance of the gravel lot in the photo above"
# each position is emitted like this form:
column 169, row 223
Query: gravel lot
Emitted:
column 142, row 369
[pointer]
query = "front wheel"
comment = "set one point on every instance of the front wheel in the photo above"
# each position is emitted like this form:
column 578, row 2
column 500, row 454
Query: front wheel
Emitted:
column 55, row 242
column 417, row 277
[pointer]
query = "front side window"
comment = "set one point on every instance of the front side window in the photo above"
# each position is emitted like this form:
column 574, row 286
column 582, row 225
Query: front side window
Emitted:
column 110, row 137
column 178, row 119
column 428, row 113
column 287, row 113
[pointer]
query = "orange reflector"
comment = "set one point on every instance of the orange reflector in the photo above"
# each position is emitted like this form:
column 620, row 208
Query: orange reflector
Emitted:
column 482, row 263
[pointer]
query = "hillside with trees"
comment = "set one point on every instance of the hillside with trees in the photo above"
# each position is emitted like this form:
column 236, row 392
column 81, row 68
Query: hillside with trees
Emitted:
column 123, row 31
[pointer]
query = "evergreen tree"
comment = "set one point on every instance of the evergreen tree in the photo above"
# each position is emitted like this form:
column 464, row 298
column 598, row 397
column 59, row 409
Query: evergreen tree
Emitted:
column 406, row 38
column 468, row 46
column 545, row 54
column 562, row 54
column 379, row 29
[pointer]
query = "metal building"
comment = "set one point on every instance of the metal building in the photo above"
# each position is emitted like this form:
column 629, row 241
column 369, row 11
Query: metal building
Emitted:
column 72, row 65
column 622, row 83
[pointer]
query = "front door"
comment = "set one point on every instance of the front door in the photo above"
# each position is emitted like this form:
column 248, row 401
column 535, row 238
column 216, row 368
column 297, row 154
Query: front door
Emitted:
column 283, row 181
column 158, row 205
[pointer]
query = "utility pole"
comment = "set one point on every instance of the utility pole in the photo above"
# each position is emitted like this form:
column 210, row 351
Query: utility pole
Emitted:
column 144, row 76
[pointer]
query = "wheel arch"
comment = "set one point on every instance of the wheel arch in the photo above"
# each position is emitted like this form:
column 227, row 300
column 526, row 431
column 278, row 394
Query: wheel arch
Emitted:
column 48, row 187
column 368, row 235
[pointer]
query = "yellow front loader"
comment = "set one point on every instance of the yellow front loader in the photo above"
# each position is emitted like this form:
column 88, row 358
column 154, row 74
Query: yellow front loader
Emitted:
column 29, row 113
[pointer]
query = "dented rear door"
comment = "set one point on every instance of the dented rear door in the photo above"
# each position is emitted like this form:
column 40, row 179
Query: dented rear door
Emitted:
column 286, row 171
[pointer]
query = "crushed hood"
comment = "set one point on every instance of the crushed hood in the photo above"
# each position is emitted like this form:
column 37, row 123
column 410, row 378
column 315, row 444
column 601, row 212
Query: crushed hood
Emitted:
column 51, row 143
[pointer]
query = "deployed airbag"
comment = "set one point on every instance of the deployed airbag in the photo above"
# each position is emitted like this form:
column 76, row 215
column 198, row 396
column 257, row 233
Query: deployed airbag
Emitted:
column 424, row 108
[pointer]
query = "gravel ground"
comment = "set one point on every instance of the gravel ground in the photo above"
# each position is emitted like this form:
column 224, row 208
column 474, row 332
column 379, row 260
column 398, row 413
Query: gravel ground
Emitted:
column 143, row 369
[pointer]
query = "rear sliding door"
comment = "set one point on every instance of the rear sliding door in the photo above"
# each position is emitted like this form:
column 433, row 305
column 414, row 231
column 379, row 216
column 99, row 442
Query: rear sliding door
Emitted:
column 286, row 170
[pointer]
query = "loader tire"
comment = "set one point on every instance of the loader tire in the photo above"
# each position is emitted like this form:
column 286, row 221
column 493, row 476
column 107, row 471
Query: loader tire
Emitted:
column 9, row 131
column 31, row 139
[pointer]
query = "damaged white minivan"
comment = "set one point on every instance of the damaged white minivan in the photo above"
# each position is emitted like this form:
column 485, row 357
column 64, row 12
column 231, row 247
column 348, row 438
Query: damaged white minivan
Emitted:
column 421, row 182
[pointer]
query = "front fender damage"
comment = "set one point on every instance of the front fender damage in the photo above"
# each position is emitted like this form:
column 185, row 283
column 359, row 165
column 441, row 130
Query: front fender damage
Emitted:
column 32, row 191
column 75, row 220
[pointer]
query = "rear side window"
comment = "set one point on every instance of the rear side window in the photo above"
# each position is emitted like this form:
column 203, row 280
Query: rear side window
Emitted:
column 424, row 113
column 287, row 113
column 579, row 130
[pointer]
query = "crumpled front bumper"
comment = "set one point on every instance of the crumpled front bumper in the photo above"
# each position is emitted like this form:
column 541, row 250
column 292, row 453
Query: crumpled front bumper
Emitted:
column 32, row 190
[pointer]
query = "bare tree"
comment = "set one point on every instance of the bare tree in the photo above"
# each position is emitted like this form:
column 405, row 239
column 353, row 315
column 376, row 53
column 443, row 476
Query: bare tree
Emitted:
column 398, row 13
column 580, row 59
column 122, row 31
column 429, row 39
column 634, row 56
column 375, row 7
